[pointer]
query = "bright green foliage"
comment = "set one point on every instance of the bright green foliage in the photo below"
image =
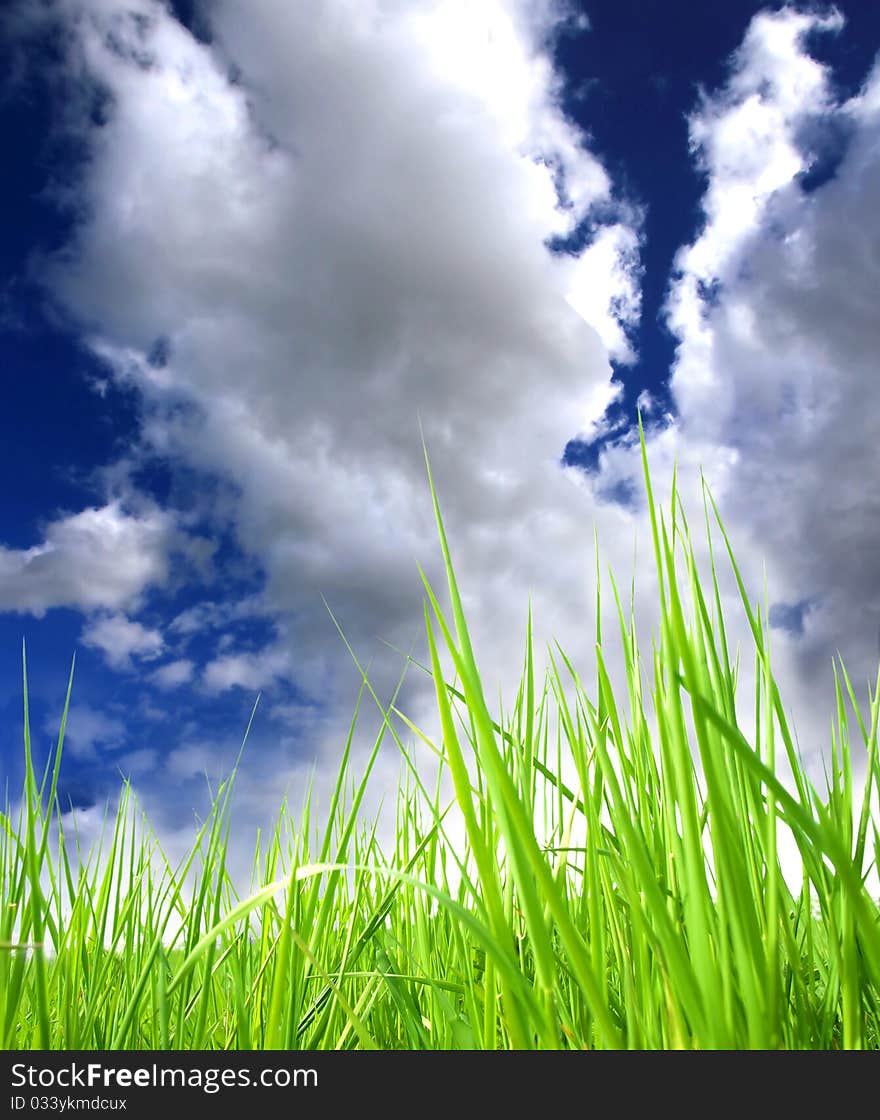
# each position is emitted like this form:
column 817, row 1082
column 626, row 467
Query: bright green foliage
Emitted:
column 639, row 904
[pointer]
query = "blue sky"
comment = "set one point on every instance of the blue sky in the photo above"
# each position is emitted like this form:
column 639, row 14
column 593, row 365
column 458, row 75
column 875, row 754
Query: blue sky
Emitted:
column 243, row 255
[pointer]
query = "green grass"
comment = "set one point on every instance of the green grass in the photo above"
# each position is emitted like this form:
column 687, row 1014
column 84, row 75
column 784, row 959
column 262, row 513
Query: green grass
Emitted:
column 591, row 869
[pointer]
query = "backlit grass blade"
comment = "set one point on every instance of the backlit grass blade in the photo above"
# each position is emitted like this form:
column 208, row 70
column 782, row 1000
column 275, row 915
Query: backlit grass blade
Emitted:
column 598, row 858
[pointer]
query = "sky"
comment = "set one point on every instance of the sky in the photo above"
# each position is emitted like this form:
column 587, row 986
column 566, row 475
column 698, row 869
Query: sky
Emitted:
column 251, row 252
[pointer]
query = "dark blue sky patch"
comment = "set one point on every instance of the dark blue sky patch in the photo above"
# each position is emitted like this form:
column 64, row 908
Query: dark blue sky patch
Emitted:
column 48, row 669
column 56, row 429
column 49, row 654
column 826, row 141
column 790, row 616
column 851, row 52
column 195, row 17
column 156, row 477
column 632, row 81
column 77, row 792
column 159, row 353
column 41, row 110
column 28, row 123
column 201, row 498
column 623, row 492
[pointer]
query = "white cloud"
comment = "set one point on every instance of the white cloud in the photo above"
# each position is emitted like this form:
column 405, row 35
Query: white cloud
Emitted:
column 121, row 638
column 349, row 238
column 745, row 138
column 101, row 557
column 201, row 618
column 174, row 674
column 247, row 670
column 604, row 286
column 192, row 620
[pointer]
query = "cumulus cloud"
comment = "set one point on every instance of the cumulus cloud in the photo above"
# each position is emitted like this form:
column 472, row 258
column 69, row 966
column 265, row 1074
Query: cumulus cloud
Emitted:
column 120, row 638
column 349, row 237
column 100, row 557
column 745, row 139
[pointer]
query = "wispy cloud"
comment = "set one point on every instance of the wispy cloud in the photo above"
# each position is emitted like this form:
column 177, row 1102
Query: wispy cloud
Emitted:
column 174, row 674
column 100, row 557
column 120, row 639
column 247, row 670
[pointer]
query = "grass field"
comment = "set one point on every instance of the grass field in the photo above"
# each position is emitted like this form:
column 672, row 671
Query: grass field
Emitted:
column 606, row 875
